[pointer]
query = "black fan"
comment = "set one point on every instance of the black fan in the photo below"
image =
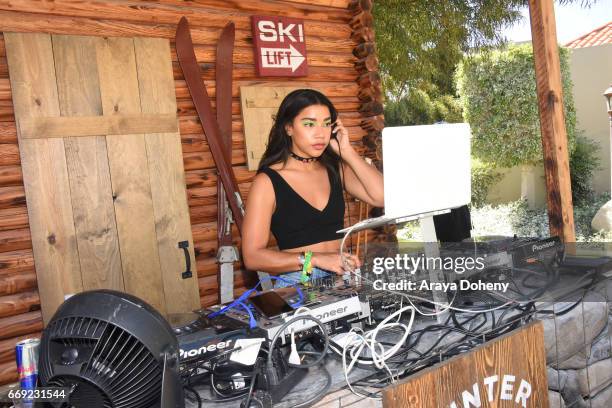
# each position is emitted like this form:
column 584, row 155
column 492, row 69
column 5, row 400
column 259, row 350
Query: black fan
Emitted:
column 112, row 350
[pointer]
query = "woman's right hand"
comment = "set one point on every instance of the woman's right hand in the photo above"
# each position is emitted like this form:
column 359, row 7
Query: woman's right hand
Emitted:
column 331, row 261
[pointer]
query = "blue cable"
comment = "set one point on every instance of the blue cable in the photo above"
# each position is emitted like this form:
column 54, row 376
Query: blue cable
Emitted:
column 241, row 300
column 252, row 321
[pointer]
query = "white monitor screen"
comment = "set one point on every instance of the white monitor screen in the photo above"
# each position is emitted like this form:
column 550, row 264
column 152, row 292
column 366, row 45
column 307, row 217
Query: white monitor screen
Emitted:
column 426, row 168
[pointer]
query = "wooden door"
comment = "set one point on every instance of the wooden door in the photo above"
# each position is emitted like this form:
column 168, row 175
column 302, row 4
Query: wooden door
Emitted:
column 102, row 167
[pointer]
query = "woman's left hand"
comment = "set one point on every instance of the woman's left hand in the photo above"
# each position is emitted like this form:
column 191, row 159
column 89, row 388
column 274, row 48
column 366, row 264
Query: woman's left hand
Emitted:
column 340, row 137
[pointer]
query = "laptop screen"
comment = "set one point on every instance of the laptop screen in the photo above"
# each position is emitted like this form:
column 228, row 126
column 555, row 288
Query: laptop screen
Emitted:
column 426, row 168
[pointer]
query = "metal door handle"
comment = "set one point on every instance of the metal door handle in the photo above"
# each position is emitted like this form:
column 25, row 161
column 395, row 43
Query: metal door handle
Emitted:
column 184, row 245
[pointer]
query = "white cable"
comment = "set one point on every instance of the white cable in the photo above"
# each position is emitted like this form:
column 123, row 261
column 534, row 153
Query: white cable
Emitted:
column 439, row 311
column 300, row 310
column 356, row 343
column 294, row 357
column 370, row 338
column 348, row 369
column 399, row 317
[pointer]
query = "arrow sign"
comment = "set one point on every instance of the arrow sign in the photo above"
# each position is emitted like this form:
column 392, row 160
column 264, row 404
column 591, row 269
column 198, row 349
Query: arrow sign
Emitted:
column 281, row 58
column 279, row 46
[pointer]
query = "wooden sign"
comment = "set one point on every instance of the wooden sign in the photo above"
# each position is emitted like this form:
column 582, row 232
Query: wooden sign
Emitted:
column 102, row 167
column 280, row 47
column 259, row 105
column 509, row 371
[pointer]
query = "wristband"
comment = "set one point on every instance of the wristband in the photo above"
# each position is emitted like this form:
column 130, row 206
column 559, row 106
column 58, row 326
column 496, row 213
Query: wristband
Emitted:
column 307, row 267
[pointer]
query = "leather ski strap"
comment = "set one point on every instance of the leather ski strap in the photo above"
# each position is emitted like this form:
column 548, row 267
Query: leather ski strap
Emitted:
column 193, row 78
column 227, row 254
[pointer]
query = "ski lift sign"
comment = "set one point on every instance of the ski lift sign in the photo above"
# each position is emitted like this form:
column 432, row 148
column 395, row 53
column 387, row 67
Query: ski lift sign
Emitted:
column 280, row 47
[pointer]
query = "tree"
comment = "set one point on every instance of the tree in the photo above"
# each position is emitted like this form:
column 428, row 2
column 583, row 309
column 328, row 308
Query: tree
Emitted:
column 420, row 42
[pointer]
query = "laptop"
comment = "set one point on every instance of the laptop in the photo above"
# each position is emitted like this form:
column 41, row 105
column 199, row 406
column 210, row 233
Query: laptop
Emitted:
column 426, row 172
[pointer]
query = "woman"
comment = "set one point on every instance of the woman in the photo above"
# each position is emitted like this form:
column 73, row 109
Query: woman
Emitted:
column 297, row 192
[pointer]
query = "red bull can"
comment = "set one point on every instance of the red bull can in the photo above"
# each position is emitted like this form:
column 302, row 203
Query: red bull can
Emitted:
column 26, row 352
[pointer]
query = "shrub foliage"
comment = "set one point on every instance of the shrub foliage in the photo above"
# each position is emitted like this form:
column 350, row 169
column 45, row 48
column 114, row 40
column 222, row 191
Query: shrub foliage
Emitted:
column 583, row 163
column 497, row 91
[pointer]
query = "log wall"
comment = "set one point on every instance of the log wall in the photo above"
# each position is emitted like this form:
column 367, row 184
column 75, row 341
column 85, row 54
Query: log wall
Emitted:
column 342, row 63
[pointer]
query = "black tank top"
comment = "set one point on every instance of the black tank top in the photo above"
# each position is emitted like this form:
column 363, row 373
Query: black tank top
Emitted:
column 296, row 223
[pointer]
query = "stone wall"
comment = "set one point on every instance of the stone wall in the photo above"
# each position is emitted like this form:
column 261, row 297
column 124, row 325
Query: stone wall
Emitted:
column 579, row 352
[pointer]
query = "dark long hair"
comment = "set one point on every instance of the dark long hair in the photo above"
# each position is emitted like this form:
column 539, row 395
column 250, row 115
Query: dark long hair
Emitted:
column 279, row 142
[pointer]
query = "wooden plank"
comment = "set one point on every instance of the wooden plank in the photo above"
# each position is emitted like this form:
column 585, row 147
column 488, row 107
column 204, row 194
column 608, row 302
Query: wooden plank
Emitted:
column 30, row 22
column 306, row 11
column 14, row 240
column 130, row 174
column 8, row 372
column 453, row 376
column 342, row 4
column 3, row 67
column 552, row 120
column 6, row 112
column 172, row 224
column 11, row 176
column 122, row 10
column 13, row 217
column 96, row 125
column 19, row 325
column 87, row 159
column 12, row 196
column 19, row 303
column 407, row 397
column 8, row 132
column 54, row 244
column 535, row 331
column 17, row 282
column 9, row 155
column 513, row 358
column 21, row 261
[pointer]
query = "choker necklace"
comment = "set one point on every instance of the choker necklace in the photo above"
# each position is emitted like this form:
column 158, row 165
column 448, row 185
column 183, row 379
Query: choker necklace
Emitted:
column 303, row 159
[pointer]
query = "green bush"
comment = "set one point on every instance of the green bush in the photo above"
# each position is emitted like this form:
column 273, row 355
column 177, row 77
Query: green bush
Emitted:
column 483, row 176
column 419, row 108
column 583, row 163
column 497, row 90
